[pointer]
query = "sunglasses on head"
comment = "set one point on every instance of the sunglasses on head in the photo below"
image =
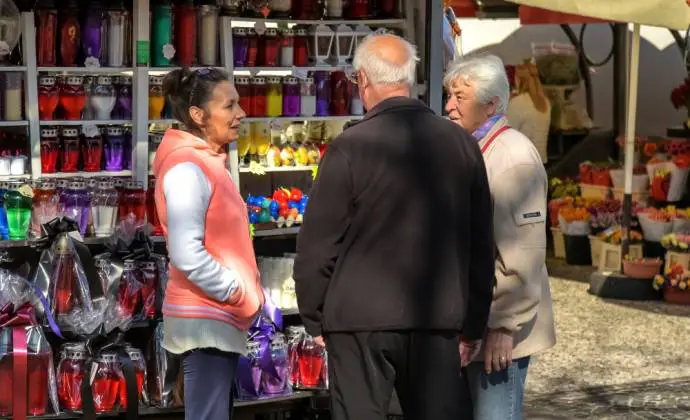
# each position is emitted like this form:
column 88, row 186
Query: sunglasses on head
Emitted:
column 353, row 76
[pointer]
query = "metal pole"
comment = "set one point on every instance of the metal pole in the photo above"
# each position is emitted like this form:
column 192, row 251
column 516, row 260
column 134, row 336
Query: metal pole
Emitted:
column 620, row 77
column 435, row 55
column 630, row 137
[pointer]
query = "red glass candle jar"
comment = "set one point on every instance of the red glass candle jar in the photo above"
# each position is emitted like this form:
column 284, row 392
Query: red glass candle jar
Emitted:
column 185, row 33
column 45, row 206
column 304, row 9
column 72, row 97
column 70, row 37
column 301, row 52
column 270, row 47
column 129, row 291
column 359, row 9
column 106, row 382
column 139, row 365
column 65, row 293
column 70, row 149
column 151, row 213
column 70, row 375
column 148, row 275
column 310, row 363
column 92, row 152
column 340, row 93
column 48, row 97
column 50, row 150
column 245, row 91
column 258, row 97
column 46, row 31
column 252, row 47
column 38, row 364
column 133, row 202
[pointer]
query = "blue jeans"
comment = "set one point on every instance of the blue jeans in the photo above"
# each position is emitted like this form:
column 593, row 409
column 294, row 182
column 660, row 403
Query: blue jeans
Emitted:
column 498, row 396
column 208, row 379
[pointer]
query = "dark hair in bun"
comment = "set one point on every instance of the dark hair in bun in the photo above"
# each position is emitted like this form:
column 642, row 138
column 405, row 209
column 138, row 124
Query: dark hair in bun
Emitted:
column 185, row 88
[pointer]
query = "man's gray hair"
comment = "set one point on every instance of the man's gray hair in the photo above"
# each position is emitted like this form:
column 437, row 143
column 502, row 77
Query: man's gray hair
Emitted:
column 488, row 77
column 380, row 71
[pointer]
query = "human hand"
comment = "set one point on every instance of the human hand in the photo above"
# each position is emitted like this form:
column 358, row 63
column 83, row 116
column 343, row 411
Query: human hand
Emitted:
column 319, row 340
column 498, row 350
column 469, row 349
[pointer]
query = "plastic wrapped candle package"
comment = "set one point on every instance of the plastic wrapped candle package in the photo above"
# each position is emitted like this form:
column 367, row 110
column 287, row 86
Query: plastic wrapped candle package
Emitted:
column 308, row 361
column 27, row 373
column 276, row 278
column 165, row 379
column 265, row 371
column 108, row 383
column 131, row 276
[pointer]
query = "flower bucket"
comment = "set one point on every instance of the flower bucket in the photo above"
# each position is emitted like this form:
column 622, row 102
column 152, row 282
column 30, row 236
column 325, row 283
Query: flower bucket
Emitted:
column 654, row 249
column 676, row 185
column 594, row 191
column 610, row 256
column 645, row 269
column 681, row 225
column 601, row 177
column 654, row 230
column 672, row 258
column 595, row 245
column 676, row 296
column 558, row 242
column 640, row 197
column 640, row 183
column 577, row 250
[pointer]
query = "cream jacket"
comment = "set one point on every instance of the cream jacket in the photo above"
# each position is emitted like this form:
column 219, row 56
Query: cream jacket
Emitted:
column 522, row 298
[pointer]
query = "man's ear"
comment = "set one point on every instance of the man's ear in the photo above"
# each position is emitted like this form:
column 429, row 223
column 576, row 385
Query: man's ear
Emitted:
column 197, row 115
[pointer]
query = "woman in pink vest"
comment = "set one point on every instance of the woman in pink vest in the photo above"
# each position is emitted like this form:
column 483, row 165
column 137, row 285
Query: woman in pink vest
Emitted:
column 213, row 293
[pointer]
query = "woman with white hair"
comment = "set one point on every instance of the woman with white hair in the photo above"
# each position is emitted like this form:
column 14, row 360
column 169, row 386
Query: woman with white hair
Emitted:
column 521, row 319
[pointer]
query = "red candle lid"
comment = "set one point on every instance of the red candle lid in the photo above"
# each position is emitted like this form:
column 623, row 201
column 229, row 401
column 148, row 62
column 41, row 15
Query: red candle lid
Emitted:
column 259, row 80
column 46, row 81
column 75, row 80
column 133, row 185
column 49, row 132
column 288, row 32
column 239, row 31
column 242, row 80
column 271, row 32
column 115, row 131
column 301, row 32
column 69, row 132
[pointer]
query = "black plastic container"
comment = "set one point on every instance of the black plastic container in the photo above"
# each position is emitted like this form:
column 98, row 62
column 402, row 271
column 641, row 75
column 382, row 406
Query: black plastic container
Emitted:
column 577, row 250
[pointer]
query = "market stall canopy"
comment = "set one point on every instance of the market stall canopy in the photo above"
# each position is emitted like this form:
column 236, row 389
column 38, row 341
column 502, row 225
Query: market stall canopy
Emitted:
column 672, row 14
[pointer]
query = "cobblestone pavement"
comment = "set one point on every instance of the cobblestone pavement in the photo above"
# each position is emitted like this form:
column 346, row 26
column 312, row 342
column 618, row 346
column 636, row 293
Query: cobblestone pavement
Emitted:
column 614, row 359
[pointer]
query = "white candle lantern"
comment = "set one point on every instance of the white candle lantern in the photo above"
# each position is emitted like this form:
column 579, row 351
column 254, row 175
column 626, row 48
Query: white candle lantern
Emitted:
column 344, row 44
column 361, row 32
column 320, row 44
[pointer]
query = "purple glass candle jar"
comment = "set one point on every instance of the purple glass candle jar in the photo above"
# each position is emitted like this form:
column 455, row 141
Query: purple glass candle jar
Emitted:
column 114, row 149
column 124, row 97
column 127, row 158
column 277, row 385
column 240, row 46
column 323, row 93
column 249, row 373
column 93, row 33
column 75, row 201
column 291, row 97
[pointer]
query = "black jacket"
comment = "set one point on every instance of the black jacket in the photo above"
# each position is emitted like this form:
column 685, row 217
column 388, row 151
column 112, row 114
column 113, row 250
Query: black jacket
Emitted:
column 398, row 231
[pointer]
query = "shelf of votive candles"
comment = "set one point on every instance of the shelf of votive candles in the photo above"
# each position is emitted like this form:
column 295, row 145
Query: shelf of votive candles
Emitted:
column 157, row 71
column 84, row 122
column 276, row 232
column 374, row 22
column 20, row 123
column 298, row 118
column 12, row 68
column 166, row 121
column 282, row 169
column 86, row 174
column 292, row 69
column 86, row 70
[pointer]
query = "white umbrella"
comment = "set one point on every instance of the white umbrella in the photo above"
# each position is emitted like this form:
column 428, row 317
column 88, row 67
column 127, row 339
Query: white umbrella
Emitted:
column 672, row 14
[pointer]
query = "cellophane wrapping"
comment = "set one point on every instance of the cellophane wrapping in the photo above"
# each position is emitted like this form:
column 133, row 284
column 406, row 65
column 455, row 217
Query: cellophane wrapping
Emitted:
column 76, row 301
column 164, row 381
column 131, row 276
column 17, row 320
column 265, row 371
column 308, row 361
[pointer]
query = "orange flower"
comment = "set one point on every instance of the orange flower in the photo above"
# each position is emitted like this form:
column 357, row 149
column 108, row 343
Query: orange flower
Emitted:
column 649, row 149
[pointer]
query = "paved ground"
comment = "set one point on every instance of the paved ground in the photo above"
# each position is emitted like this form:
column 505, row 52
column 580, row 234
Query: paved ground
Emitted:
column 613, row 360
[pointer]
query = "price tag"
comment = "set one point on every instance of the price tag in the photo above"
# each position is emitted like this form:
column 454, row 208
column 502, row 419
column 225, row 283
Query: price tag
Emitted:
column 168, row 51
column 276, row 125
column 90, row 130
column 260, row 27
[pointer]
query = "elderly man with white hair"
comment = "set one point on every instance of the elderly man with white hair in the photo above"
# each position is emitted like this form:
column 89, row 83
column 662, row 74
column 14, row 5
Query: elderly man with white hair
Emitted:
column 521, row 319
column 395, row 258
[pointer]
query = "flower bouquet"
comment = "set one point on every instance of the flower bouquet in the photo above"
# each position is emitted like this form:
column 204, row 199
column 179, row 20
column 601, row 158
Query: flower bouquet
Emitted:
column 680, row 98
column 574, row 220
column 674, row 283
column 681, row 219
column 595, row 173
column 668, row 176
column 640, row 178
column 614, row 236
column 641, row 268
column 676, row 242
column 655, row 223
